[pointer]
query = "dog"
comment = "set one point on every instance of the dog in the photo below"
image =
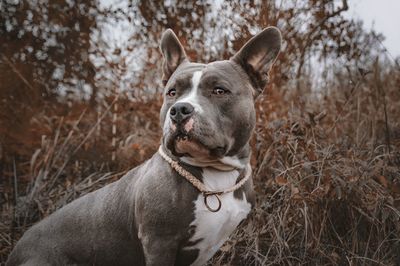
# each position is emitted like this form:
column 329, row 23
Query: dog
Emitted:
column 180, row 206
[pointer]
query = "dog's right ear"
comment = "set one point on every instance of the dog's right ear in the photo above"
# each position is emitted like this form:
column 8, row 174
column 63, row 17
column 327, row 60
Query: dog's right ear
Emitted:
column 173, row 53
column 258, row 55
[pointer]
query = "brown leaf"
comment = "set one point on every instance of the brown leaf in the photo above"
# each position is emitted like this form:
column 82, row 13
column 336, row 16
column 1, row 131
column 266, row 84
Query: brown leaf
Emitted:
column 383, row 181
column 135, row 146
column 311, row 155
column 280, row 180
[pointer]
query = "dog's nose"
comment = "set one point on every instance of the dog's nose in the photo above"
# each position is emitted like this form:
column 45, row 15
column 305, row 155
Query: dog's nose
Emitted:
column 180, row 112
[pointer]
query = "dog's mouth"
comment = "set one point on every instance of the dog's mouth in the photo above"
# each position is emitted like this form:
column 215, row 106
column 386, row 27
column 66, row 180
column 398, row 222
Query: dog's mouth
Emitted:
column 182, row 143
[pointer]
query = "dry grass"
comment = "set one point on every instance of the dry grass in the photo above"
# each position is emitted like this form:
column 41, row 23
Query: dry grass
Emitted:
column 328, row 182
column 326, row 170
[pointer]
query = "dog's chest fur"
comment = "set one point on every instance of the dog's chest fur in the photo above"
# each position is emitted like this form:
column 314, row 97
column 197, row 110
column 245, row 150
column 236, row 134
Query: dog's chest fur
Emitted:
column 212, row 229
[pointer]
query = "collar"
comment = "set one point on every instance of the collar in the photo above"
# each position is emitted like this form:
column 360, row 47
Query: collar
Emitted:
column 202, row 187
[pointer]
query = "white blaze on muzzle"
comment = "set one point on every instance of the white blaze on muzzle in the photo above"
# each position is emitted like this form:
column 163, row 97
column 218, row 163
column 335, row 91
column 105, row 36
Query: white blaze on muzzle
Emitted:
column 193, row 96
column 189, row 125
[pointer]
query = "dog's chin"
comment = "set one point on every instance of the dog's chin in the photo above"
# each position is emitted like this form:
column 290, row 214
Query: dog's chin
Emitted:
column 191, row 147
column 181, row 145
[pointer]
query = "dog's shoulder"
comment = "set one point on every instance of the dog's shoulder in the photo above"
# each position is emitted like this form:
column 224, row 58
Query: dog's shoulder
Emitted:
column 163, row 196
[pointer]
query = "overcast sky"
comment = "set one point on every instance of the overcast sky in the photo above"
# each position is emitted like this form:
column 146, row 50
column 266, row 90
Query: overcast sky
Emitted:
column 383, row 16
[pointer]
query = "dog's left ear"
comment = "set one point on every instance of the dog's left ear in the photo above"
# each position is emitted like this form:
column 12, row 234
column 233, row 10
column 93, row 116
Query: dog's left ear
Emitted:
column 258, row 55
column 173, row 53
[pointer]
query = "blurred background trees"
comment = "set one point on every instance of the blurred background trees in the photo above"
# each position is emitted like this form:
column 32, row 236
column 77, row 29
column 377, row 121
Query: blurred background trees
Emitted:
column 80, row 91
column 65, row 50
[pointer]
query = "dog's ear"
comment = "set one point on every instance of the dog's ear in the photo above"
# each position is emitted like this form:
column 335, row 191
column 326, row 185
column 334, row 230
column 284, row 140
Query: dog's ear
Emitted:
column 173, row 53
column 258, row 55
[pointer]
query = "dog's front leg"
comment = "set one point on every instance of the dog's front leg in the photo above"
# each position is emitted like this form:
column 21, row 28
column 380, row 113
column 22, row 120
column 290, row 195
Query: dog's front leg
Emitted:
column 158, row 233
column 159, row 249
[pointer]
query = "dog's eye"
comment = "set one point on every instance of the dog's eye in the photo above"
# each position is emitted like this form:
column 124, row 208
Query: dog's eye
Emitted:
column 171, row 92
column 220, row 91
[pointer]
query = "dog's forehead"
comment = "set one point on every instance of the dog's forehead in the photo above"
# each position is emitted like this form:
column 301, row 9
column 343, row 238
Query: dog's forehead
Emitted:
column 216, row 70
column 185, row 71
column 220, row 69
column 224, row 66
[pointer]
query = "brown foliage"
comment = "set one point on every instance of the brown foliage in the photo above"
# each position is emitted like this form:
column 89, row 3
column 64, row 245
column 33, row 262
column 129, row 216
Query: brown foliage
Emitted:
column 327, row 184
column 326, row 157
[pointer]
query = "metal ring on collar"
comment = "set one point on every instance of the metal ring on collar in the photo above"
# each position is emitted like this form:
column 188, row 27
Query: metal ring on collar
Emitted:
column 206, row 195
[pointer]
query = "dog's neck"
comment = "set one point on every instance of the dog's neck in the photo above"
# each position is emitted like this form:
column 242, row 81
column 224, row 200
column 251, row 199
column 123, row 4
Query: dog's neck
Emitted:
column 227, row 163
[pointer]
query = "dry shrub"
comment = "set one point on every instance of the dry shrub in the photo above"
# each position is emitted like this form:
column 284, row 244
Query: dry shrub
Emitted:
column 326, row 170
column 72, row 157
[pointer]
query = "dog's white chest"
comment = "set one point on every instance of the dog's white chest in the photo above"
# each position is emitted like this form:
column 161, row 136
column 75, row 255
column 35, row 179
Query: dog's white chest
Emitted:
column 214, row 228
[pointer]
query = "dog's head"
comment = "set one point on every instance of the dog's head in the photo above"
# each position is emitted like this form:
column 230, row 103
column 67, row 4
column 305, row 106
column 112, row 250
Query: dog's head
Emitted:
column 208, row 113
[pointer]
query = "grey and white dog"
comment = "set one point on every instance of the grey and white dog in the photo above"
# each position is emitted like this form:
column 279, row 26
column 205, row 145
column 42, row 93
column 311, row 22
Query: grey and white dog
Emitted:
column 153, row 215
